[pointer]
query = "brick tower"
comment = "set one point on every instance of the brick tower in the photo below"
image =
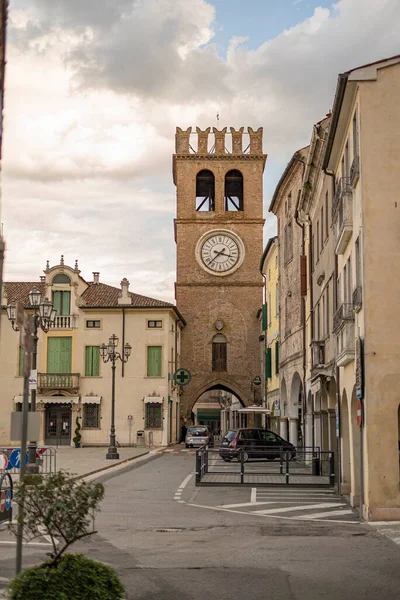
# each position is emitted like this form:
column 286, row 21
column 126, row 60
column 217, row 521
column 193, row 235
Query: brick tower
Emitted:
column 219, row 238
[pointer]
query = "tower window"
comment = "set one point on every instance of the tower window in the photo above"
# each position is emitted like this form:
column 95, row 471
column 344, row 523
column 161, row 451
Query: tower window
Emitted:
column 233, row 191
column 219, row 352
column 205, row 191
column 61, row 278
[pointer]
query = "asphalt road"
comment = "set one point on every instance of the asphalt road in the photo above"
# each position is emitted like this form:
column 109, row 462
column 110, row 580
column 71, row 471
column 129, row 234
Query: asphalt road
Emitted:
column 169, row 540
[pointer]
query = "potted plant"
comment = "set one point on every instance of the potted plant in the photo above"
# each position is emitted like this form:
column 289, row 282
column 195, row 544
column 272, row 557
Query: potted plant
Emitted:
column 78, row 437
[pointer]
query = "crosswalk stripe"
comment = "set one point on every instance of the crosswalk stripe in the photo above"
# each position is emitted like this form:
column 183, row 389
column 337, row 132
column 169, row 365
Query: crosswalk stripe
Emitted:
column 295, row 508
column 245, row 504
column 332, row 513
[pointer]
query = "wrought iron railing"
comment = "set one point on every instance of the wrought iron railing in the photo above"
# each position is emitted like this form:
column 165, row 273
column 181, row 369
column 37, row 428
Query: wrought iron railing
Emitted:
column 58, row 381
column 345, row 312
column 345, row 344
column 343, row 187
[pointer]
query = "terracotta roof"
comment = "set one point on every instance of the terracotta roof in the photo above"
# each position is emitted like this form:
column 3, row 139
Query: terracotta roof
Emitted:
column 18, row 291
column 102, row 295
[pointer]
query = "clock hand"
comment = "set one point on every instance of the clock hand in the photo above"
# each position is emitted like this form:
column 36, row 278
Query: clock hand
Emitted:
column 221, row 253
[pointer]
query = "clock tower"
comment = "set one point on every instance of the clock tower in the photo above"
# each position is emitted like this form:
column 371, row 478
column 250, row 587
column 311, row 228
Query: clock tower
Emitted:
column 219, row 238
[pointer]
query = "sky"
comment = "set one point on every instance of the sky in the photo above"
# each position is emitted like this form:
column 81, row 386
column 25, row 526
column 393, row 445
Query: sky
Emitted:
column 95, row 90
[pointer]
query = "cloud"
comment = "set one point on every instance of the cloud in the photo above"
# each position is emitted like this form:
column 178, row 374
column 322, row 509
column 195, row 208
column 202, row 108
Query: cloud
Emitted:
column 95, row 89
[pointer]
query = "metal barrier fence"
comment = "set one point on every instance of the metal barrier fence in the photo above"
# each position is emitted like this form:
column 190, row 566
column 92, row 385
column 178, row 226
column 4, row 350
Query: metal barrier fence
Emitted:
column 265, row 467
column 46, row 458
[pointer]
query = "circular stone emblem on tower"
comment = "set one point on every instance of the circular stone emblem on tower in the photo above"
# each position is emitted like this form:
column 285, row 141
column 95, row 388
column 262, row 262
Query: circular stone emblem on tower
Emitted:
column 219, row 252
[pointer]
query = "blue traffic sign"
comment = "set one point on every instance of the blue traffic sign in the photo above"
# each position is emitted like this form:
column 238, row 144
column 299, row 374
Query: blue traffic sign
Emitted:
column 14, row 460
column 8, row 499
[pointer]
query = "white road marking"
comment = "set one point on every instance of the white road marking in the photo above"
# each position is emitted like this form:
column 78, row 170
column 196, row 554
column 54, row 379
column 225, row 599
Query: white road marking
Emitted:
column 25, row 543
column 243, row 504
column 327, row 514
column 5, row 579
column 180, row 489
column 253, row 496
column 296, row 508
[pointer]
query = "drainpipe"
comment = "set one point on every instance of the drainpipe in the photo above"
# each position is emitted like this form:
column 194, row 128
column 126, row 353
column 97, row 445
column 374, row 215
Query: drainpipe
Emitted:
column 123, row 340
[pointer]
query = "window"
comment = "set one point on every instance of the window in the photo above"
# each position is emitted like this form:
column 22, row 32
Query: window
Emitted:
column 61, row 278
column 322, row 227
column 268, row 436
column 326, row 216
column 91, row 415
column 323, row 318
column 153, row 416
column 355, row 136
column 92, row 361
column 154, row 324
column 269, row 309
column 358, row 262
column 312, row 252
column 318, row 322
column 61, row 302
column 276, row 300
column 21, row 362
column 268, row 363
column 276, row 357
column 205, row 191
column 289, row 204
column 233, row 191
column 317, row 241
column 288, row 242
column 219, row 352
column 154, row 358
column 349, row 281
column 93, row 324
column 249, row 434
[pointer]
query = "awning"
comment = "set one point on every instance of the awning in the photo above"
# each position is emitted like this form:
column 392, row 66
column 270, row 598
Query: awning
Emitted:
column 316, row 385
column 57, row 400
column 21, row 399
column 91, row 399
column 254, row 409
column 154, row 399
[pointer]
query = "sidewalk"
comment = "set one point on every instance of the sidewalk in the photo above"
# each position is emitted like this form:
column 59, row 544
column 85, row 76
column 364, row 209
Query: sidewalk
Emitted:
column 86, row 461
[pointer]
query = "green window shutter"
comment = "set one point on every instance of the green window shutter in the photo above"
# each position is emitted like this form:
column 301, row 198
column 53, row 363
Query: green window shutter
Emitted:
column 59, row 354
column 21, row 362
column 276, row 357
column 66, row 300
column 154, row 361
column 264, row 317
column 268, row 366
column 66, row 355
column 57, row 302
column 92, row 361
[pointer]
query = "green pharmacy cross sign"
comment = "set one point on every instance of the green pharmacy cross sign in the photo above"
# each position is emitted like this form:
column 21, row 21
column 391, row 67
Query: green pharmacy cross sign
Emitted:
column 182, row 376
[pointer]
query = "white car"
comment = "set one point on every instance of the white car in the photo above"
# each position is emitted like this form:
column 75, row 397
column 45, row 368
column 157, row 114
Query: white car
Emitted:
column 198, row 435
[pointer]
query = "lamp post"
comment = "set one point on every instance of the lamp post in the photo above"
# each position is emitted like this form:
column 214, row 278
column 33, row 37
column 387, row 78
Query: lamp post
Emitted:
column 109, row 353
column 43, row 317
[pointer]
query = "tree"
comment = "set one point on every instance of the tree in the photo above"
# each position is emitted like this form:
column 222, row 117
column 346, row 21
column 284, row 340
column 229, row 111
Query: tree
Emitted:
column 59, row 506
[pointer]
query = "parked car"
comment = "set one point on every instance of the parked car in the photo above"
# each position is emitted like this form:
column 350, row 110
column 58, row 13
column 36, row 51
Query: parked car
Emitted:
column 198, row 435
column 255, row 443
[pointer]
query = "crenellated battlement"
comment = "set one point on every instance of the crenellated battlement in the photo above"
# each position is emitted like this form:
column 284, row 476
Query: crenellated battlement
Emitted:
column 219, row 142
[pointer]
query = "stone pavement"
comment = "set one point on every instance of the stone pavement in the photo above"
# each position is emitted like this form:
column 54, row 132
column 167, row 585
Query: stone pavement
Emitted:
column 86, row 461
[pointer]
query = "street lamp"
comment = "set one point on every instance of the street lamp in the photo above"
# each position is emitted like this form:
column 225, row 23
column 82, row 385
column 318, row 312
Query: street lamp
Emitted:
column 44, row 316
column 108, row 353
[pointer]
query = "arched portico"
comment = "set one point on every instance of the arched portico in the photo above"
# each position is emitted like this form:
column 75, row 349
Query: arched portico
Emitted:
column 355, row 447
column 295, row 411
column 284, row 432
column 345, row 445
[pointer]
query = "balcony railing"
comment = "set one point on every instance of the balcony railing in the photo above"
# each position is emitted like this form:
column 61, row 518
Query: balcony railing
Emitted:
column 58, row 381
column 357, row 298
column 344, row 313
column 65, row 322
column 318, row 353
column 343, row 222
column 355, row 171
column 345, row 344
column 343, row 187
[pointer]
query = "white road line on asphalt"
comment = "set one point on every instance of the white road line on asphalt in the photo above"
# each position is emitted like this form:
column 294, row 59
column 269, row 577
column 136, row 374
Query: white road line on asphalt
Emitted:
column 180, row 489
column 4, row 579
column 169, row 450
column 243, row 504
column 253, row 496
column 9, row 543
column 327, row 514
column 296, row 508
column 256, row 514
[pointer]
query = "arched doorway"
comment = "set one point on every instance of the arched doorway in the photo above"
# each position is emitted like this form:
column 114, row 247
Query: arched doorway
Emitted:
column 309, row 437
column 296, row 436
column 355, row 446
column 284, row 427
column 345, row 445
column 332, row 415
column 219, row 408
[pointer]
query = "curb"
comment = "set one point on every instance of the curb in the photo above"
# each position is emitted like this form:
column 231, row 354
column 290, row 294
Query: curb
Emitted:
column 112, row 466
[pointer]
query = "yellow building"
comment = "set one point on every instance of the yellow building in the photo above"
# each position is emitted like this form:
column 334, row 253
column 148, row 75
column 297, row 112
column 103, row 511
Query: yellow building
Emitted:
column 72, row 380
column 269, row 268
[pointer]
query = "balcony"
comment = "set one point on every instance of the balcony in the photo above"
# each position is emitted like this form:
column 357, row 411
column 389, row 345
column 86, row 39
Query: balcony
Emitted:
column 65, row 322
column 344, row 313
column 317, row 357
column 357, row 299
column 342, row 216
column 58, row 381
column 345, row 344
column 343, row 187
column 355, row 171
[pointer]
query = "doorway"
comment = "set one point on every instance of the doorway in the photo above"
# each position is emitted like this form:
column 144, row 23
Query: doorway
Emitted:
column 58, row 425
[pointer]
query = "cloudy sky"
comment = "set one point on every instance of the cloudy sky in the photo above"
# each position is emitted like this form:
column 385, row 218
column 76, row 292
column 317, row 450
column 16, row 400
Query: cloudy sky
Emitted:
column 95, row 89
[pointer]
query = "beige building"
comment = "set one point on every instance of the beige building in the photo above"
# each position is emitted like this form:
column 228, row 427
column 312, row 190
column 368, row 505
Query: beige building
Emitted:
column 3, row 29
column 363, row 155
column 292, row 365
column 218, row 234
column 315, row 208
column 73, row 382
column 269, row 267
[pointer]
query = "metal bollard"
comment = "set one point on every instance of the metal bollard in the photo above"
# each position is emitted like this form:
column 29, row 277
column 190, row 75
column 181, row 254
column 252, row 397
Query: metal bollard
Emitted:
column 198, row 467
column 241, row 466
column 281, row 461
column 287, row 467
column 331, row 468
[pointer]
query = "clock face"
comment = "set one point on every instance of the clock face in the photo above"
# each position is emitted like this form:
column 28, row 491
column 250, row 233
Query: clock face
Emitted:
column 220, row 252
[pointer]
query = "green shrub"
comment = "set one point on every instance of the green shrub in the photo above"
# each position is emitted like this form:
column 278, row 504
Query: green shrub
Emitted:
column 75, row 577
column 78, row 436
